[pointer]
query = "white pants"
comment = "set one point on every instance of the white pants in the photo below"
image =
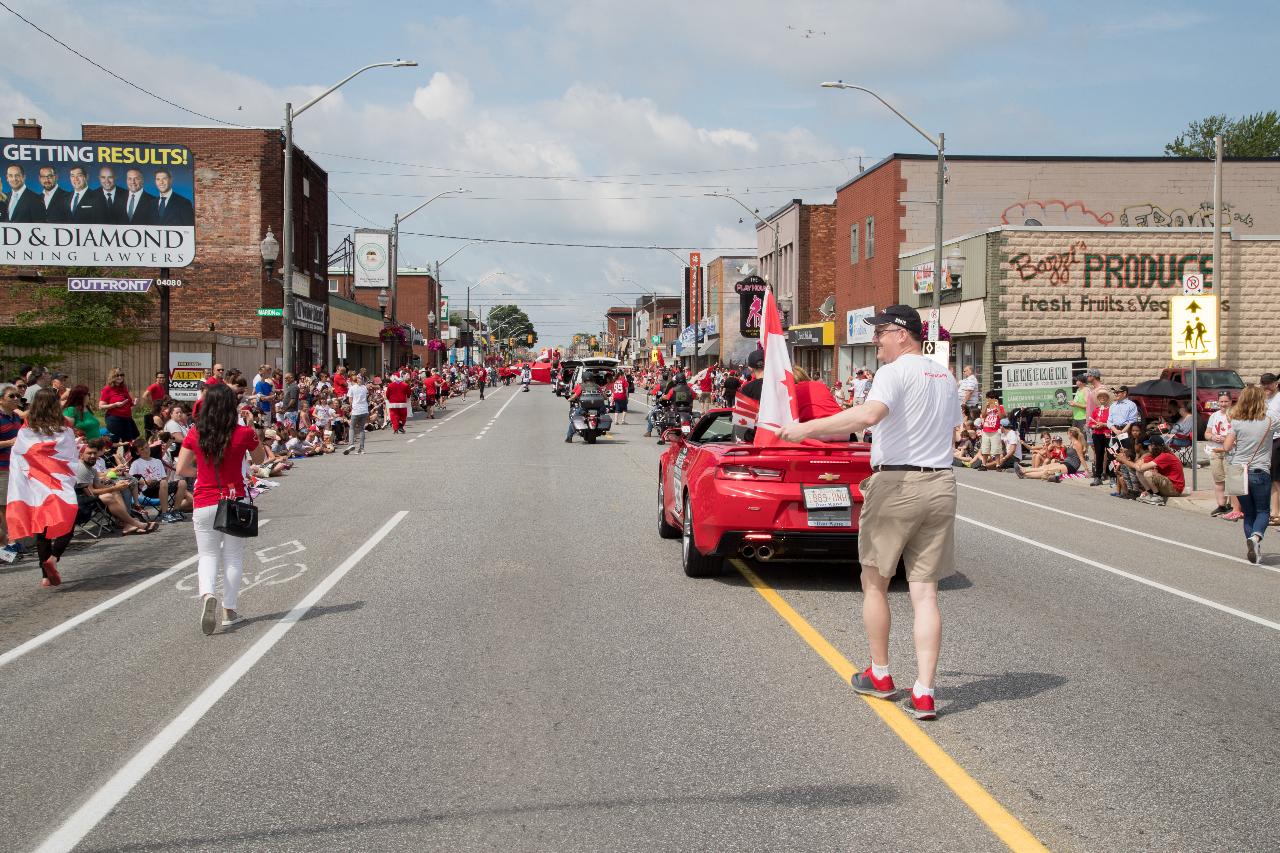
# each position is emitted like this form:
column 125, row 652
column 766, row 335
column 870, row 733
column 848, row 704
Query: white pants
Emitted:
column 210, row 544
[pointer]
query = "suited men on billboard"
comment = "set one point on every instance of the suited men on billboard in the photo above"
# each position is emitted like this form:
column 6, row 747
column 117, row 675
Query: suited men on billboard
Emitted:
column 112, row 200
column 140, row 205
column 23, row 204
column 83, row 206
column 171, row 208
column 57, row 201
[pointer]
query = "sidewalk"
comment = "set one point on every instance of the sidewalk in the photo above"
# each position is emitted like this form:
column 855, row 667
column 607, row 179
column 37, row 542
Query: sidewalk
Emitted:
column 1200, row 501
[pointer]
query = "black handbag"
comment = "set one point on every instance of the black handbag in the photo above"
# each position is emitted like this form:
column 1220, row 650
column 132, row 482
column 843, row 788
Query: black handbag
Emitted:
column 235, row 517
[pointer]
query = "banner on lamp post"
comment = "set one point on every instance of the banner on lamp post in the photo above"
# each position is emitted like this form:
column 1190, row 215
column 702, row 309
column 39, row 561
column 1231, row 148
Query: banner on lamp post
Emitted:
column 373, row 258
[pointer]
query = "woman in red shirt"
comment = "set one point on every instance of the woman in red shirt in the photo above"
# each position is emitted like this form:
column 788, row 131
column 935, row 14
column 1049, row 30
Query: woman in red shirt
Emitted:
column 117, row 403
column 814, row 400
column 213, row 452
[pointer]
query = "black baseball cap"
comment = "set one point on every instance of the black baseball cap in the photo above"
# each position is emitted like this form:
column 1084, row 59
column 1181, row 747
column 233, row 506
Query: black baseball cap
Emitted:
column 903, row 316
column 756, row 359
column 1268, row 379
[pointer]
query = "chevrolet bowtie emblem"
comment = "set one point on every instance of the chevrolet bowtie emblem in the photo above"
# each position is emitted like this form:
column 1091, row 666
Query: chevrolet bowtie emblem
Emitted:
column 828, row 477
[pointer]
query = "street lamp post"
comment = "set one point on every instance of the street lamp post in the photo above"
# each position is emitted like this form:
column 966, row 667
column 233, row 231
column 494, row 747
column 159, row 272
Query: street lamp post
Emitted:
column 471, row 334
column 940, row 144
column 287, row 270
column 395, row 256
column 439, row 283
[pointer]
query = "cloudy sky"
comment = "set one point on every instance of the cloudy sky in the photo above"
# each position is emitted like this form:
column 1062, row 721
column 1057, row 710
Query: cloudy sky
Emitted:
column 605, row 122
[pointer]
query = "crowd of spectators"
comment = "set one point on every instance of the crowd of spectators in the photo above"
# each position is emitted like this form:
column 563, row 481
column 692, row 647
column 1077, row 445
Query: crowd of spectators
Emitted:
column 126, row 475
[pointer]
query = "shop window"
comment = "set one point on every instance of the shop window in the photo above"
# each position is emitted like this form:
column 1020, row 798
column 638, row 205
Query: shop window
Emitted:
column 853, row 243
column 334, row 286
column 871, row 236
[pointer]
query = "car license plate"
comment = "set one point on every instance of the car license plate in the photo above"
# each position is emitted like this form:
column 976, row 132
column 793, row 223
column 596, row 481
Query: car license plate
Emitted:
column 826, row 497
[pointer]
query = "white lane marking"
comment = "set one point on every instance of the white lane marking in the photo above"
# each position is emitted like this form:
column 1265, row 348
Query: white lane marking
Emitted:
column 496, row 416
column 1267, row 623
column 106, row 798
column 411, row 441
column 1124, row 529
column 79, row 619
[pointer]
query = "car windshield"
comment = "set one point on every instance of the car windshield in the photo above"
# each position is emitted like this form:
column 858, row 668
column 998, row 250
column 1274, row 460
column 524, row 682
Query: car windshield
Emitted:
column 717, row 426
column 1219, row 379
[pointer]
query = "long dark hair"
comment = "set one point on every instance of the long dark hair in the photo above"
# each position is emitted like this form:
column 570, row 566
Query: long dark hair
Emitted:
column 216, row 421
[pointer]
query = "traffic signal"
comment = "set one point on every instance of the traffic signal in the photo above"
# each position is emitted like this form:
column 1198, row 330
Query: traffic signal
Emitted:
column 593, row 341
column 530, row 336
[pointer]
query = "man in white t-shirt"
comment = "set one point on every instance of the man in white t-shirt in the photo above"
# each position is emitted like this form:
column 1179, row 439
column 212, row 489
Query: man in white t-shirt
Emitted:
column 968, row 390
column 909, row 502
column 358, row 394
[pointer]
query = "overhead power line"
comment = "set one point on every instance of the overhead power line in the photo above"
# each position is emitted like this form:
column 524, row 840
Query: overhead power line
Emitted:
column 761, row 191
column 404, row 233
column 108, row 71
column 485, row 173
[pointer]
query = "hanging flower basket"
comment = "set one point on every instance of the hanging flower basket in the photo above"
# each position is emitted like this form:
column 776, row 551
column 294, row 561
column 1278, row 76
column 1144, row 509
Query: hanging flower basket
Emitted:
column 435, row 345
column 399, row 334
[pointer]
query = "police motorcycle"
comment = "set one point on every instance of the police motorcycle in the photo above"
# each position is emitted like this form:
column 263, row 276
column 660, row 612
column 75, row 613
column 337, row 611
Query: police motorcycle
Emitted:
column 676, row 415
column 591, row 418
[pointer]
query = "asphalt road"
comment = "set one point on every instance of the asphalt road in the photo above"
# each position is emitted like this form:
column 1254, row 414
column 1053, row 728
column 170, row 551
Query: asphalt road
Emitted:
column 472, row 638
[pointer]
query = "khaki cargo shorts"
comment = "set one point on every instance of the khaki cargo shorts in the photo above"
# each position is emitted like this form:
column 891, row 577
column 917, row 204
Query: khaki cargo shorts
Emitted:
column 1218, row 466
column 990, row 445
column 909, row 515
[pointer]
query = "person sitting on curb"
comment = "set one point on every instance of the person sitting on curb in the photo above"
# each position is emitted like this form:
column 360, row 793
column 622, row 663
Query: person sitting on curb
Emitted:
column 1012, row 445
column 1160, row 474
column 1060, row 461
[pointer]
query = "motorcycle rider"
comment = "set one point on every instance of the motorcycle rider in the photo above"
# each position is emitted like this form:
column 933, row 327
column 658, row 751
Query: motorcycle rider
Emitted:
column 680, row 398
column 746, row 405
column 588, row 386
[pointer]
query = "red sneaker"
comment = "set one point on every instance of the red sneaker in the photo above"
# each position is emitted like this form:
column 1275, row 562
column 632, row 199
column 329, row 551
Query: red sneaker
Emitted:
column 50, row 569
column 867, row 684
column 920, row 707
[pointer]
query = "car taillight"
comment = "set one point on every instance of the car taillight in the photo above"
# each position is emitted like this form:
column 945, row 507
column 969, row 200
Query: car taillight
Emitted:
column 747, row 472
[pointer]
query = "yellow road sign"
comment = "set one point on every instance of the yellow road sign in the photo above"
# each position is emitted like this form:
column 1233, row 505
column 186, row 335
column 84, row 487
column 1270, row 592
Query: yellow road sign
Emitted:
column 1193, row 324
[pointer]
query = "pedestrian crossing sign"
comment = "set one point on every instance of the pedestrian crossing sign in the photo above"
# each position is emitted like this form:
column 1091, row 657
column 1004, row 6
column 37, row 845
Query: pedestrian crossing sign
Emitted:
column 1194, row 327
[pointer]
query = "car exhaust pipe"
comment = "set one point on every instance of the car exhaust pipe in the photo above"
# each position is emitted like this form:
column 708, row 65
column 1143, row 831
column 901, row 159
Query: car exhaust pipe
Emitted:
column 764, row 552
column 747, row 551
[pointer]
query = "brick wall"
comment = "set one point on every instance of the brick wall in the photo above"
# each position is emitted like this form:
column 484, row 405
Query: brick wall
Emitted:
column 871, row 281
column 817, row 279
column 1123, row 310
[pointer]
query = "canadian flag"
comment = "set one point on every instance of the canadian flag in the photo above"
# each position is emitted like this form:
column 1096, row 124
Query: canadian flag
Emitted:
column 42, row 486
column 778, row 385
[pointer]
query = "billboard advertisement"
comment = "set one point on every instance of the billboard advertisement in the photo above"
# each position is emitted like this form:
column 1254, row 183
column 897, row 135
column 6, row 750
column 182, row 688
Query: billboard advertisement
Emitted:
column 66, row 202
column 373, row 256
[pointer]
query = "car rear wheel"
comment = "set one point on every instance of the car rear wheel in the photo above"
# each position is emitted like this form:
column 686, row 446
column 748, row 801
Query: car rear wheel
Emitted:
column 665, row 529
column 696, row 565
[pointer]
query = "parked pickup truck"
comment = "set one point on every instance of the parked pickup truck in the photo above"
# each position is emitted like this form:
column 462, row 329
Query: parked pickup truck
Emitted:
column 1210, row 382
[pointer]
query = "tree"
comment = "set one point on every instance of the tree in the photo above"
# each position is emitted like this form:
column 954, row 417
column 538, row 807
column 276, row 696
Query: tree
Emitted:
column 64, row 323
column 1256, row 135
column 511, row 322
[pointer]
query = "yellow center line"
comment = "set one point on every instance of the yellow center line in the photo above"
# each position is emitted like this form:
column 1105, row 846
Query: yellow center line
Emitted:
column 1006, row 827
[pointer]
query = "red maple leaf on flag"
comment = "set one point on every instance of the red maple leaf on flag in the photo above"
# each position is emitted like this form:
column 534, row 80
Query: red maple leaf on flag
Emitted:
column 42, row 464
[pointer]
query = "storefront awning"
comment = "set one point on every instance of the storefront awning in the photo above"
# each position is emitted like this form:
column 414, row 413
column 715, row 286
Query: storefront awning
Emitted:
column 965, row 318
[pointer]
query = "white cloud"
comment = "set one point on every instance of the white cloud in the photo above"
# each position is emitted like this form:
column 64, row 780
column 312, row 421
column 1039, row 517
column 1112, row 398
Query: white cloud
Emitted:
column 443, row 98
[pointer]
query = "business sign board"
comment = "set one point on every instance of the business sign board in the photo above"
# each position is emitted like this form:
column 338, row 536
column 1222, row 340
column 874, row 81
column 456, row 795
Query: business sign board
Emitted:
column 856, row 330
column 923, row 277
column 309, row 315
column 373, row 258
column 751, row 291
column 187, row 372
column 68, row 202
column 1046, row 384
column 109, row 285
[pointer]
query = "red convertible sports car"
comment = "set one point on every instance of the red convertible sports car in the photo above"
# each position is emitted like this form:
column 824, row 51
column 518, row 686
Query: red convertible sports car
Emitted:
column 724, row 497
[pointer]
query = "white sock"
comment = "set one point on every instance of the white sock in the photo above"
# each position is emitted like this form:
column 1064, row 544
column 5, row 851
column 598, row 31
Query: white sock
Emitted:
column 879, row 671
column 921, row 690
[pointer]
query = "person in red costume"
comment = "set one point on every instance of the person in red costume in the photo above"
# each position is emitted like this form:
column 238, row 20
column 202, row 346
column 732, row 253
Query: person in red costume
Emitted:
column 397, row 397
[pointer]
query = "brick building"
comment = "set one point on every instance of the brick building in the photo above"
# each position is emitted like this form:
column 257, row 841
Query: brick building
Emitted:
column 886, row 212
column 238, row 196
column 1101, row 295
column 803, row 277
column 417, row 304
column 618, row 330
